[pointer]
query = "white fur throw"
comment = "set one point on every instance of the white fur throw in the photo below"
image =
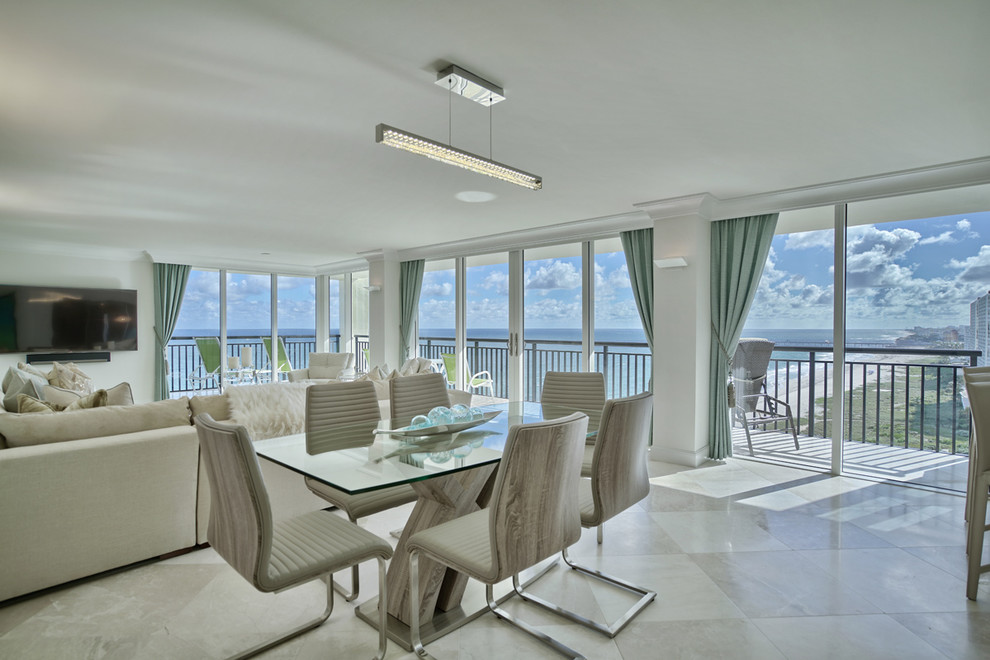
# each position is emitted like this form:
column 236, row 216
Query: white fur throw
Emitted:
column 270, row 410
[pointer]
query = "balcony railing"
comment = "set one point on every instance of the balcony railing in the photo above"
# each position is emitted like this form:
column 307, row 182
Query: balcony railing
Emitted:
column 915, row 403
column 627, row 365
column 184, row 359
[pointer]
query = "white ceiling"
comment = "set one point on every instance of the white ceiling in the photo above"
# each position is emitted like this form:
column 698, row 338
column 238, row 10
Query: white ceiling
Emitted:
column 224, row 130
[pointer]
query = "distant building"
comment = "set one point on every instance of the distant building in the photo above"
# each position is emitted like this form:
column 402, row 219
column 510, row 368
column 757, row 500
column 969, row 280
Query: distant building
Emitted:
column 979, row 328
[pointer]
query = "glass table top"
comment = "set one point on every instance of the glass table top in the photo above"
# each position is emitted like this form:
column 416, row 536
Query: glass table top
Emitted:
column 375, row 459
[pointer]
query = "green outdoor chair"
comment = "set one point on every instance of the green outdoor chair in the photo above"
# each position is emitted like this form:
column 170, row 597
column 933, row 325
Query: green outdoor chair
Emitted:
column 284, row 366
column 480, row 380
column 210, row 362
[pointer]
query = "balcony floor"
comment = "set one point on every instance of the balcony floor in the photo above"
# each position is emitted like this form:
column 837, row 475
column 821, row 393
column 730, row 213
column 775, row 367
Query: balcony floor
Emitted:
column 882, row 462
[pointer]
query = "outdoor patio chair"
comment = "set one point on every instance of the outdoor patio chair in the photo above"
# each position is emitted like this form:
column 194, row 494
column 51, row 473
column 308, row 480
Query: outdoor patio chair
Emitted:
column 755, row 408
column 283, row 364
column 480, row 380
column 210, row 362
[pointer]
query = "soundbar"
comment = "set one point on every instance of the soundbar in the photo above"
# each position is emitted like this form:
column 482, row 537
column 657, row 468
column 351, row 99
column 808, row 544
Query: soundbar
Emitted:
column 86, row 356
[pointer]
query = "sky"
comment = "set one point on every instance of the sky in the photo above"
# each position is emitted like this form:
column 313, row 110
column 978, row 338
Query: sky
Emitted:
column 552, row 295
column 899, row 275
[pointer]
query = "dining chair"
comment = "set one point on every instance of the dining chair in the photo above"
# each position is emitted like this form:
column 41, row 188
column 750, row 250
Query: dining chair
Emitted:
column 340, row 416
column 532, row 514
column 972, row 375
column 417, row 395
column 619, row 479
column 978, row 389
column 275, row 556
column 564, row 392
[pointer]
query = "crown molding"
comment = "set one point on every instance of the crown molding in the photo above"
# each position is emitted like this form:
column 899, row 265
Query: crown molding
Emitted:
column 567, row 232
column 700, row 204
column 958, row 174
column 340, row 267
column 76, row 250
column 239, row 265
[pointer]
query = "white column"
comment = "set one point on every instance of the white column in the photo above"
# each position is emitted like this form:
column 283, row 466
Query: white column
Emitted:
column 681, row 331
column 383, row 304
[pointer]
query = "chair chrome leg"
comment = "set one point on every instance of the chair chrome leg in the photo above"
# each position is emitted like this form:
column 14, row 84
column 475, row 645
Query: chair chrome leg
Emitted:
column 355, row 586
column 382, row 610
column 600, row 534
column 557, row 646
column 646, row 597
column 415, row 639
column 295, row 632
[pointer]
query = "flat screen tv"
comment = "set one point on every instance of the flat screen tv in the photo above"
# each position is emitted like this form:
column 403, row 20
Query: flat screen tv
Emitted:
column 60, row 319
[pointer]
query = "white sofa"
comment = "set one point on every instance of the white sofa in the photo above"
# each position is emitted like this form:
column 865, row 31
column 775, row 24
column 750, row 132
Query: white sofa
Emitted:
column 324, row 367
column 91, row 490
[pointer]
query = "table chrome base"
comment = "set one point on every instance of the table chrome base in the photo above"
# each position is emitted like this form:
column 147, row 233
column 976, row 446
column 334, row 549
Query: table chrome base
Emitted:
column 472, row 606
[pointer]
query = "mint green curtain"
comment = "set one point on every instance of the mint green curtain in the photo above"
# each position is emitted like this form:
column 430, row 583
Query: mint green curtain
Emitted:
column 410, row 284
column 637, row 245
column 739, row 252
column 170, row 287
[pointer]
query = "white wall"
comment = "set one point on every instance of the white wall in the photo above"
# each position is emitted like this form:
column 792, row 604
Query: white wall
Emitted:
column 135, row 367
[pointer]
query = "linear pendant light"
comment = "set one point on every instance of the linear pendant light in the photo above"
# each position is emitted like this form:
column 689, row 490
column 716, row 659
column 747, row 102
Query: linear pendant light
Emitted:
column 417, row 144
column 463, row 83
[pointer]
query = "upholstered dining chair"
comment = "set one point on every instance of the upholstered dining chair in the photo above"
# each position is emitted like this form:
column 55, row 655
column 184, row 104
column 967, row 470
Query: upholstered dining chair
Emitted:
column 978, row 389
column 532, row 514
column 567, row 391
column 619, row 480
column 417, row 395
column 274, row 556
column 972, row 375
column 338, row 416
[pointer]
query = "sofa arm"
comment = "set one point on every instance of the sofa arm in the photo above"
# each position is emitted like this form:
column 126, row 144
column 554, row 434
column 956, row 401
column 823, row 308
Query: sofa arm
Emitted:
column 297, row 375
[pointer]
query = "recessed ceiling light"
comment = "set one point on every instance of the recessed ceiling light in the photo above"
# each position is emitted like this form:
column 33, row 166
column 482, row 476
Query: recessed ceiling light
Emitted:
column 265, row 254
column 475, row 196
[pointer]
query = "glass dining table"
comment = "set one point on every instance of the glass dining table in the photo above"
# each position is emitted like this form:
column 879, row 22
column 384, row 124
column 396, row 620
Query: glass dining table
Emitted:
column 452, row 474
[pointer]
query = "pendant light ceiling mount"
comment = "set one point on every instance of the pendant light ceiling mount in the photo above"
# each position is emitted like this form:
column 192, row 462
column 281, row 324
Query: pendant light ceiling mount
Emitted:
column 477, row 89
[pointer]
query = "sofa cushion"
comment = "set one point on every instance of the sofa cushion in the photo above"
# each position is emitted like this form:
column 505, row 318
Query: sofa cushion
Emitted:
column 23, row 430
column 329, row 365
column 216, row 405
column 18, row 381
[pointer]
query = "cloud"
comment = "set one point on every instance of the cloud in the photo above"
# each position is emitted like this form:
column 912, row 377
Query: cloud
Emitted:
column 966, row 227
column 496, row 280
column 554, row 275
column 944, row 237
column 871, row 256
column 975, row 268
column 437, row 289
column 809, row 239
column 551, row 309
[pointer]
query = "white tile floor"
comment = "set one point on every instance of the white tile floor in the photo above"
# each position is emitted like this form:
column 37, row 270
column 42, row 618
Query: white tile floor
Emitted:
column 750, row 560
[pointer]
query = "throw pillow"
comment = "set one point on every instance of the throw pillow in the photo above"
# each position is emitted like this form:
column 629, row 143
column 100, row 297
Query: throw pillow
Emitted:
column 59, row 395
column 20, row 382
column 70, row 377
column 97, row 399
column 270, row 410
column 24, row 366
column 28, row 404
column 120, row 395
